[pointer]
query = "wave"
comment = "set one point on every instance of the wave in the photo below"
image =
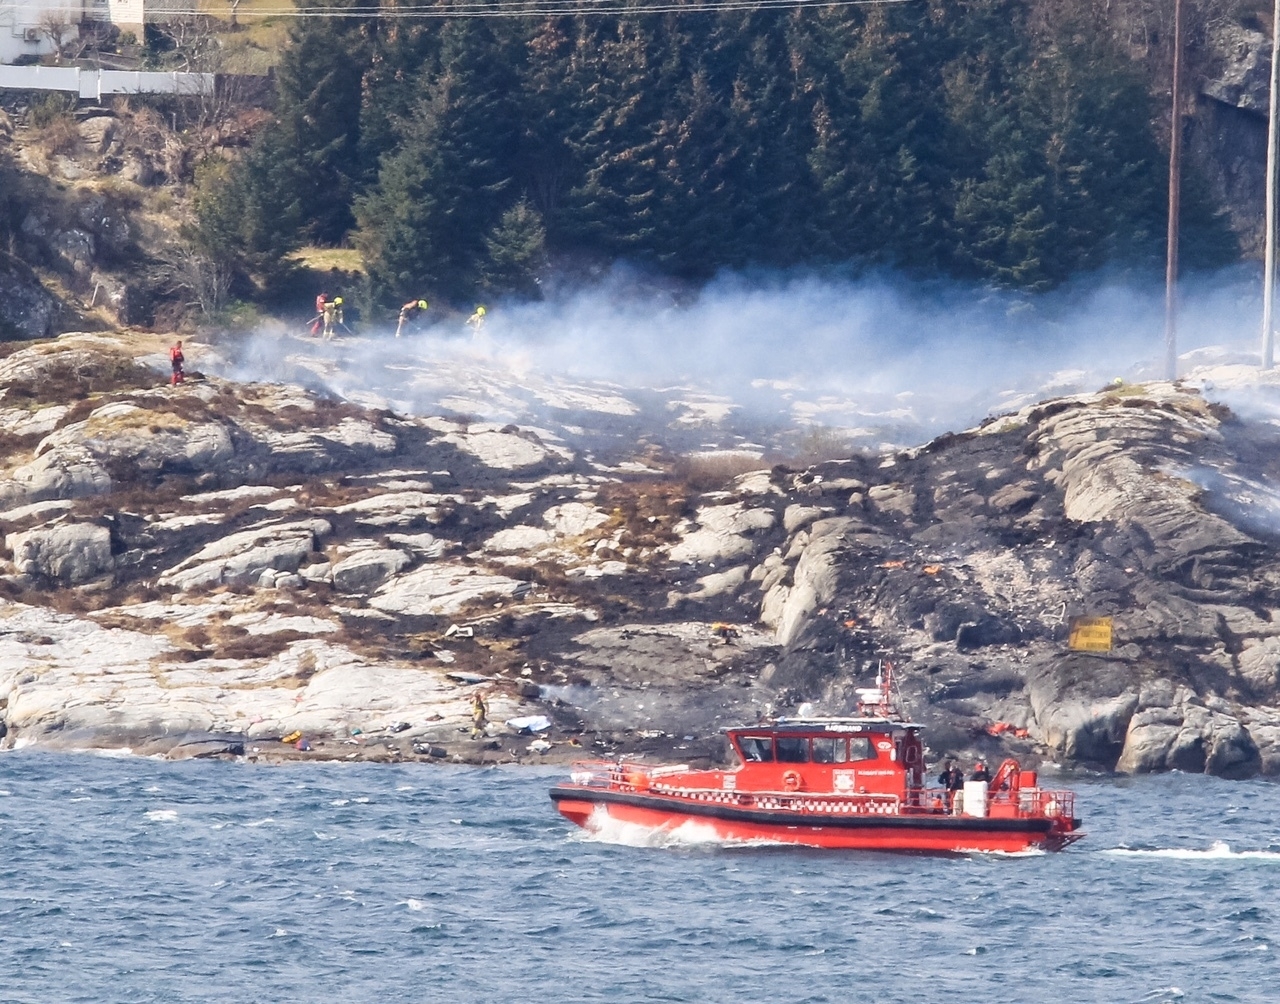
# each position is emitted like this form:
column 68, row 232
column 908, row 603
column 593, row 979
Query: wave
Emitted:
column 1218, row 850
column 602, row 828
column 1029, row 852
column 163, row 815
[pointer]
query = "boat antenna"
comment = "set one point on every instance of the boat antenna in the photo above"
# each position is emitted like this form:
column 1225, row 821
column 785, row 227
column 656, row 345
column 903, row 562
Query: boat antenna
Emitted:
column 893, row 694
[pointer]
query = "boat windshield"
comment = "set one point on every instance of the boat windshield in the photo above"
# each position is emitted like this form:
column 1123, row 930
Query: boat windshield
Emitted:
column 827, row 750
column 793, row 749
column 756, row 749
column 802, row 749
column 860, row 748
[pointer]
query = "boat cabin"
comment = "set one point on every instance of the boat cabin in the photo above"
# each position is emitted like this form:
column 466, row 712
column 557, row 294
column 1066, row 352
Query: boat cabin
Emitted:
column 847, row 756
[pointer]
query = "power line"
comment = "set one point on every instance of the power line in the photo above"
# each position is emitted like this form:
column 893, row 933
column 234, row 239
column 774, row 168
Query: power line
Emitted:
column 511, row 8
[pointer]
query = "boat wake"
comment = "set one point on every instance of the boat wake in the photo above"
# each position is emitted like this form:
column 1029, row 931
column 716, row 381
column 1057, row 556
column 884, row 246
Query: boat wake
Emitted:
column 601, row 828
column 1030, row 852
column 1218, row 850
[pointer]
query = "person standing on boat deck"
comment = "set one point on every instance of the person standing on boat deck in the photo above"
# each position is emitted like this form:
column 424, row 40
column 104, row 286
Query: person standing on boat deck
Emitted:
column 479, row 715
column 980, row 772
column 952, row 780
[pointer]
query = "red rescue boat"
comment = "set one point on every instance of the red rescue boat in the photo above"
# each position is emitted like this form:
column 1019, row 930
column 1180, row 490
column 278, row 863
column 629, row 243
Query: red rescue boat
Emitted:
column 854, row 783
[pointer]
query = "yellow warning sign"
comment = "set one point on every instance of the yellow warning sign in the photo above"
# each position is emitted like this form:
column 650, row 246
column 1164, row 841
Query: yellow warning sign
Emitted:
column 1090, row 634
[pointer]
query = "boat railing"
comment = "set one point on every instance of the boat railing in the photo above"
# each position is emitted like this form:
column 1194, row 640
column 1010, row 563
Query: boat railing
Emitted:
column 637, row 777
column 1053, row 804
column 816, row 801
column 614, row 774
column 1037, row 802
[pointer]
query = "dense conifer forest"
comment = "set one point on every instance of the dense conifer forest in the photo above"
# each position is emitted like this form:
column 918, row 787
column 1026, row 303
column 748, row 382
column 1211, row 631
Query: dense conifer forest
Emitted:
column 979, row 139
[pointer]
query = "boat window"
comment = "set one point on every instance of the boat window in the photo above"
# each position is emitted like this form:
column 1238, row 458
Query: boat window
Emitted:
column 860, row 748
column 793, row 749
column 756, row 749
column 827, row 750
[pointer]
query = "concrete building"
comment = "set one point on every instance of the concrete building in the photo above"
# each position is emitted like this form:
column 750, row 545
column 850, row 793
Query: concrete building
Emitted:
column 24, row 23
column 127, row 15
column 24, row 26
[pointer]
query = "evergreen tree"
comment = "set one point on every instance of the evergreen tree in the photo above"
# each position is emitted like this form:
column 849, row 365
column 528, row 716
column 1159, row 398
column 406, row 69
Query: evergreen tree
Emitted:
column 517, row 252
column 552, row 99
column 613, row 208
column 948, row 136
column 444, row 189
column 318, row 112
column 399, row 54
column 248, row 213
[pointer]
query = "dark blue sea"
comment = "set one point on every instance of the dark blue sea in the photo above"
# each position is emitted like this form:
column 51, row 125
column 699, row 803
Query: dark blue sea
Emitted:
column 136, row 880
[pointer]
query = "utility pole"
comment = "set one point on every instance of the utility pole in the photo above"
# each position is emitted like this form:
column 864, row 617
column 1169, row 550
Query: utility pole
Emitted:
column 1269, row 260
column 1175, row 191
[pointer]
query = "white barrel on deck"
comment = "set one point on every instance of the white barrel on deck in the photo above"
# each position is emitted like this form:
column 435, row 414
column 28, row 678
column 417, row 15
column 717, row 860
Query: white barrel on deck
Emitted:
column 975, row 798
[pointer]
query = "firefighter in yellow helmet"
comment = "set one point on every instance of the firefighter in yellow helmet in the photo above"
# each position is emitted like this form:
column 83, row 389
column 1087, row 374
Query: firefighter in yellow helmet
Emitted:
column 410, row 312
column 479, row 715
column 332, row 317
column 476, row 321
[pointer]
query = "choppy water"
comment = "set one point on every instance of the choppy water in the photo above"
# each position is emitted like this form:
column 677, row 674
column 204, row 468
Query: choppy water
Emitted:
column 134, row 880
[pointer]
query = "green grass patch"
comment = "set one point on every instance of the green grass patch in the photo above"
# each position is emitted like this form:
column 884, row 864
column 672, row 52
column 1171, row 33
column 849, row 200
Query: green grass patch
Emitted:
column 329, row 259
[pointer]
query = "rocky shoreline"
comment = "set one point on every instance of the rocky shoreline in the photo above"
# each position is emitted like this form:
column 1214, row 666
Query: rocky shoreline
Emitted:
column 207, row 569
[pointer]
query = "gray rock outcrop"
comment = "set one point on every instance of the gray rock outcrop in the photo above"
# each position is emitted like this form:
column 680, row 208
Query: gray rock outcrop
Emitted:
column 365, row 571
column 1244, row 80
column 251, row 560
column 70, row 553
column 241, row 558
column 27, row 309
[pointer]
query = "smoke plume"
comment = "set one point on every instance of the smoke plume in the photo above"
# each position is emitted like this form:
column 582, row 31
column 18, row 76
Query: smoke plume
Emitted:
column 747, row 358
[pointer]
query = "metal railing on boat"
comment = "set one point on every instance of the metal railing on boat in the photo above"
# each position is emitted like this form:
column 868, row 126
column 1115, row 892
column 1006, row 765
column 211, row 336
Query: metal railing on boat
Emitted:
column 645, row 779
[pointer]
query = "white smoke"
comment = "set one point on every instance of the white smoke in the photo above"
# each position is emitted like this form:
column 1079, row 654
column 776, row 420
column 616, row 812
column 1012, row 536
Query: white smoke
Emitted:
column 880, row 358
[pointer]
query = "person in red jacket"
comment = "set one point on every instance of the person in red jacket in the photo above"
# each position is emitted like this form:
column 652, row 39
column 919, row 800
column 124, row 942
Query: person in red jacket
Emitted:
column 177, row 359
column 317, row 322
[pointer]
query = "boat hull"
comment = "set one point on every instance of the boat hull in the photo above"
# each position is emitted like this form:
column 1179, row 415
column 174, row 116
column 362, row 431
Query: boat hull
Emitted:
column 922, row 833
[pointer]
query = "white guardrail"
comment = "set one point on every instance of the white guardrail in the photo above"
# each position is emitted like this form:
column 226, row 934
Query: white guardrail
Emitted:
column 93, row 84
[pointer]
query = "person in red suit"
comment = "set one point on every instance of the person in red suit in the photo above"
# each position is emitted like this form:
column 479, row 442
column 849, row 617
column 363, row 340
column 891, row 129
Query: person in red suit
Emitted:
column 177, row 360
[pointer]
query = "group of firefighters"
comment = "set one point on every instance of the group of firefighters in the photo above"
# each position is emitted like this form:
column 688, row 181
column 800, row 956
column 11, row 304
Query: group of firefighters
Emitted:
column 329, row 317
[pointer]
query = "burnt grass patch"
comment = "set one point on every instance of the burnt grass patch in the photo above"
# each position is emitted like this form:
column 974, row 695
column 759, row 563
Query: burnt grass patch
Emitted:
column 66, row 377
column 646, row 511
column 77, row 600
column 326, row 413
